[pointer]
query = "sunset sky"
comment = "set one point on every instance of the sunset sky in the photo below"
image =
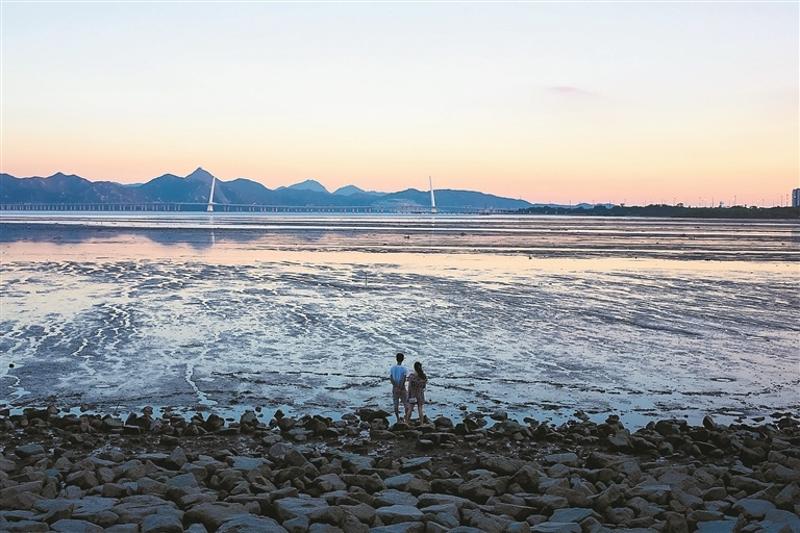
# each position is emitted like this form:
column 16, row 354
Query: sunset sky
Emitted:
column 634, row 102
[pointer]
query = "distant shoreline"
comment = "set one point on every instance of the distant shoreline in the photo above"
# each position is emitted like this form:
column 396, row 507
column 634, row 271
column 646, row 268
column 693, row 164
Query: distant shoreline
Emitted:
column 650, row 211
column 670, row 211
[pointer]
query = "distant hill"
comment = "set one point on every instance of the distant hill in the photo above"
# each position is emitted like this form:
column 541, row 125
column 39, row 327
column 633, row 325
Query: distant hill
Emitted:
column 307, row 185
column 194, row 188
column 349, row 190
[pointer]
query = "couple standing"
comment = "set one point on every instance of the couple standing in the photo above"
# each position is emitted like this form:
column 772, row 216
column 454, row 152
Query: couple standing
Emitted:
column 414, row 395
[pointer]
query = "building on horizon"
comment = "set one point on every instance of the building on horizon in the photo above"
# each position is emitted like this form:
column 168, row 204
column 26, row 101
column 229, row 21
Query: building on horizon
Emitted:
column 796, row 197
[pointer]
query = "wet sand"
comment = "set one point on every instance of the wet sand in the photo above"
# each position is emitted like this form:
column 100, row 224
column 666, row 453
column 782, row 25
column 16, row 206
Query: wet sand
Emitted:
column 538, row 316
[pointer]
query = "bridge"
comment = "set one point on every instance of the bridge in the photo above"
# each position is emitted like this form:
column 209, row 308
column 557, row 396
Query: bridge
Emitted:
column 211, row 206
column 197, row 207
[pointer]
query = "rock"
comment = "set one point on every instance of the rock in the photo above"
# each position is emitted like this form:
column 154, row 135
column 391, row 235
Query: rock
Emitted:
column 26, row 526
column 482, row 521
column 478, row 490
column 747, row 484
column 394, row 514
column 753, row 508
column 29, row 450
column 445, row 514
column 330, row 482
column 517, row 512
column 297, row 525
column 214, row 423
column 177, row 458
column 288, row 508
column 368, row 415
column 20, row 496
column 547, row 503
column 333, row 515
column 212, row 515
column 247, row 464
column 556, row 527
column 621, row 440
column 788, row 496
column 718, row 526
column 371, row 483
column 85, row 479
column 390, row 497
column 415, row 463
column 442, row 422
column 652, row 493
column 705, row 515
column 569, row 459
column 135, row 508
column 405, row 527
column 398, row 482
column 134, row 528
column 572, row 514
column 504, row 466
column 163, row 522
column 527, row 477
column 777, row 520
column 427, row 500
column 248, row 523
column 91, row 508
column 248, row 418
column 365, row 513
column 715, row 493
column 76, row 526
column 620, row 515
column 499, row 415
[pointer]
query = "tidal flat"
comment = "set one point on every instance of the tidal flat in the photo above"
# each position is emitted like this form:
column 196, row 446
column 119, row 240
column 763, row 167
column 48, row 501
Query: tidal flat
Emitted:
column 537, row 316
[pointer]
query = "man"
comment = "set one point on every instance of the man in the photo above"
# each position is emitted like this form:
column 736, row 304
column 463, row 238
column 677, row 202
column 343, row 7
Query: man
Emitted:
column 397, row 375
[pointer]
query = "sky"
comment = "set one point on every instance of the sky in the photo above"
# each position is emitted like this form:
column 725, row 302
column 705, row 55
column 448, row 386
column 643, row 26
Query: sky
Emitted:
column 550, row 102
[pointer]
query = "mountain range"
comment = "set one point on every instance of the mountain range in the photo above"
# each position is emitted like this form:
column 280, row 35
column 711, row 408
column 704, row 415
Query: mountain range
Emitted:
column 194, row 188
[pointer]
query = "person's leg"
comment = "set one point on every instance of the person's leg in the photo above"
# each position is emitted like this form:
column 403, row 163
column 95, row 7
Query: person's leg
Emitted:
column 409, row 410
column 396, row 398
column 421, row 413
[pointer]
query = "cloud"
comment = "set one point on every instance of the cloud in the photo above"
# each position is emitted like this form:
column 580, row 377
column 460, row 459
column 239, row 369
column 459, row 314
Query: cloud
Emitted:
column 570, row 91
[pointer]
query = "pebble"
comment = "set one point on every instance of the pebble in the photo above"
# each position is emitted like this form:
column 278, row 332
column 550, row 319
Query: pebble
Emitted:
column 312, row 473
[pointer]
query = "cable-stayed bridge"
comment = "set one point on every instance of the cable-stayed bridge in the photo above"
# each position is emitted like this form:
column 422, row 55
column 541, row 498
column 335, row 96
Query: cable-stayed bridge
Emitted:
column 239, row 208
column 211, row 206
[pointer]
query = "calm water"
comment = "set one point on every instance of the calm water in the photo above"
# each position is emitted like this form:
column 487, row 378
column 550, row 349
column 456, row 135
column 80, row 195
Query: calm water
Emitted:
column 536, row 315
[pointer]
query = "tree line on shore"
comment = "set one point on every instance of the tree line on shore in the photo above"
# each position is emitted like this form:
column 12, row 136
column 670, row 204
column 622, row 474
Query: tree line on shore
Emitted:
column 669, row 211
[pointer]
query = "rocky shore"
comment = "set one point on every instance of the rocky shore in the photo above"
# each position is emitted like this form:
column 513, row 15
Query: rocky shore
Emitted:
column 92, row 473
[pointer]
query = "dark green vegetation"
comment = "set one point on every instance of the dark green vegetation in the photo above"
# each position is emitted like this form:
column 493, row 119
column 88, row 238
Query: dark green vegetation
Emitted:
column 669, row 211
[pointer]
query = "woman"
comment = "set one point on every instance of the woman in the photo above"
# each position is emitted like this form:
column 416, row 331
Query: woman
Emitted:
column 416, row 392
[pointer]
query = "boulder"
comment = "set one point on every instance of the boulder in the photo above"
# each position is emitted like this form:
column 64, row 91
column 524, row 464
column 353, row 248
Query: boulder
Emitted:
column 29, row 450
column 569, row 459
column 163, row 522
column 777, row 520
column 133, row 509
column 572, row 514
column 404, row 527
column 288, row 508
column 67, row 525
column 329, row 483
column 395, row 514
column 719, row 526
column 389, row 497
column 415, row 463
column 556, row 527
column 248, row 523
column 753, row 508
column 213, row 514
